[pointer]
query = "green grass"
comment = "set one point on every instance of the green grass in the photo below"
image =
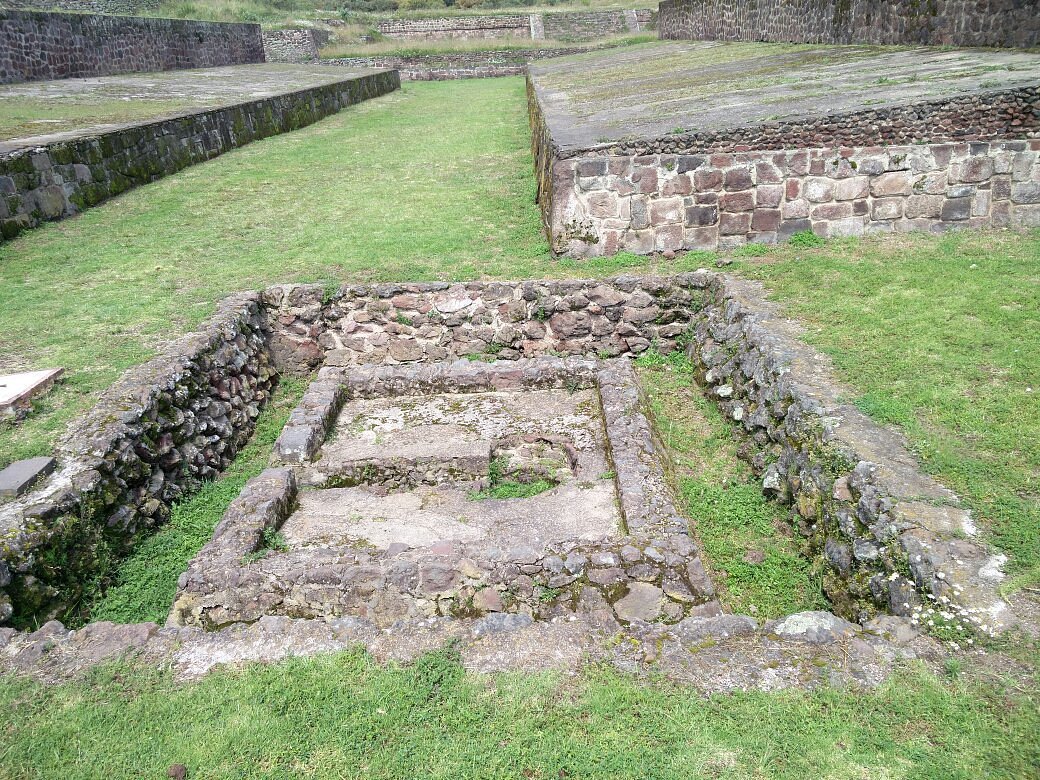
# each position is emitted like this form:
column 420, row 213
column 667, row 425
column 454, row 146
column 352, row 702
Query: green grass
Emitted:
column 941, row 337
column 31, row 116
column 144, row 584
column 756, row 566
column 343, row 716
column 433, row 182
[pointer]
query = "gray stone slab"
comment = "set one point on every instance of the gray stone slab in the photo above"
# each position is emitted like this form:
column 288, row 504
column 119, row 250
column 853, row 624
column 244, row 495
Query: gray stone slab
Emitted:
column 21, row 475
column 661, row 89
column 17, row 390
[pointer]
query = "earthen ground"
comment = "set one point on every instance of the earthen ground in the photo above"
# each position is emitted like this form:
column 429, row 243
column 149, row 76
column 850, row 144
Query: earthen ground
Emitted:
column 665, row 88
column 43, row 112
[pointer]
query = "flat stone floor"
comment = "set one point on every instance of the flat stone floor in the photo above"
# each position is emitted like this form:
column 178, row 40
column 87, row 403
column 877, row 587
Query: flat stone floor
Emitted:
column 467, row 427
column 40, row 112
column 658, row 89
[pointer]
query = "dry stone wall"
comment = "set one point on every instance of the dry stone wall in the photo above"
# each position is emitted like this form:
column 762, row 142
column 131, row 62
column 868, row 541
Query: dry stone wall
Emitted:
column 764, row 183
column 152, row 438
column 36, row 45
column 577, row 26
column 458, row 65
column 111, row 7
column 56, row 181
column 391, row 324
column 1006, row 23
column 892, row 537
column 293, row 45
column 647, row 203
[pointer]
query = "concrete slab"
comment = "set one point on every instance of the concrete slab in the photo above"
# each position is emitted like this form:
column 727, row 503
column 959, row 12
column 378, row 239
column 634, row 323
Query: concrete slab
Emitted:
column 423, row 517
column 43, row 112
column 17, row 390
column 21, row 475
column 667, row 88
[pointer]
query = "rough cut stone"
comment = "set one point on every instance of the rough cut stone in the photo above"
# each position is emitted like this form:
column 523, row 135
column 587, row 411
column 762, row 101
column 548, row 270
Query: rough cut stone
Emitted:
column 21, row 475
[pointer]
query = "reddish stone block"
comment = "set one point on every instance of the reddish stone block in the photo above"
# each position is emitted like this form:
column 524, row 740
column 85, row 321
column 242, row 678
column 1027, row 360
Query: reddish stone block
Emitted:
column 767, row 173
column 702, row 238
column 707, row 198
column 619, row 166
column 666, row 211
column 645, row 180
column 769, row 195
column 765, row 219
column 795, row 209
column 721, row 160
column 680, row 185
column 887, row 208
column 738, row 179
column 829, row 211
column 894, row 183
column 738, row 201
column 734, row 224
column 707, row 180
column 668, row 237
column 860, row 207
column 793, row 189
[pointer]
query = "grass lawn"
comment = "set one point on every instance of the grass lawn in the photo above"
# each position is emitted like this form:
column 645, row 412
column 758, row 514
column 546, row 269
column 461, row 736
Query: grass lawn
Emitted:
column 343, row 716
column 941, row 337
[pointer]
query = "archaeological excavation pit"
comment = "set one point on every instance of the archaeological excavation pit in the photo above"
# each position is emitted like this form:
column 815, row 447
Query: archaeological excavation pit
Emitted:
column 456, row 489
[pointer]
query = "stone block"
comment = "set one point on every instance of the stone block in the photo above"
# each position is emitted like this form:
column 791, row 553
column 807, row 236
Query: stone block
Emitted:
column 788, row 227
column 701, row 238
column 698, row 216
column 976, row 169
column 795, row 209
column 767, row 173
column 689, row 162
column 819, row 190
column 765, row 220
column 1025, row 192
column 956, row 209
column 769, row 195
column 929, row 206
column 734, row 224
column 666, row 211
column 602, row 204
column 18, row 478
column 893, row 183
column 737, row 201
column 596, row 166
column 638, row 242
column 707, row 180
column 981, row 205
column 852, row 188
column 640, row 209
column 887, row 208
column 831, row 211
column 739, row 179
column 668, row 237
column 645, row 179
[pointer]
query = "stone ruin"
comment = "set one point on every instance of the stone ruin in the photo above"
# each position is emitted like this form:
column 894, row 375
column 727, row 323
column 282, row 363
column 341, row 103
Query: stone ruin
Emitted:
column 476, row 463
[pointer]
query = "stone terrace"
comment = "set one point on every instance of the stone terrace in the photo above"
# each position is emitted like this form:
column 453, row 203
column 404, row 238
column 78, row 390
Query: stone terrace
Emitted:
column 712, row 145
column 671, row 90
column 79, row 107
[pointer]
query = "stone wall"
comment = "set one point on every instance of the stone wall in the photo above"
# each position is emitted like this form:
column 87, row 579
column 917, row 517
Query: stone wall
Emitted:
column 456, row 65
column 63, row 178
column 1009, row 23
column 721, row 190
column 37, row 45
column 672, row 202
column 565, row 26
column 463, row 27
column 152, row 439
column 595, row 24
column 891, row 536
column 409, row 323
column 111, row 7
column 293, row 45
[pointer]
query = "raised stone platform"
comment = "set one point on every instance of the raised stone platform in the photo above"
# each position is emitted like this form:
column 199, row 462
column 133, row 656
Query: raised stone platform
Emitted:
column 117, row 132
column 675, row 145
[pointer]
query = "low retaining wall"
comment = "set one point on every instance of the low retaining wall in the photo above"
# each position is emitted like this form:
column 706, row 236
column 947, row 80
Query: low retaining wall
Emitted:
column 38, row 45
column 111, row 7
column 461, row 65
column 889, row 533
column 295, row 45
column 709, row 191
column 63, row 178
column 579, row 26
column 1010, row 23
column 152, row 438
column 388, row 324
